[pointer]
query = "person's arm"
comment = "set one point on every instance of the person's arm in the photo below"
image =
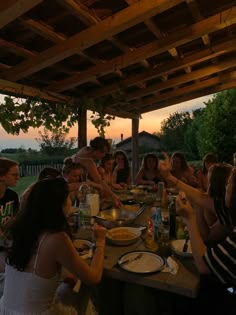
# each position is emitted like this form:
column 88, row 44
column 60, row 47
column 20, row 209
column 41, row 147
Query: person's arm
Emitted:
column 67, row 256
column 184, row 209
column 193, row 194
column 95, row 176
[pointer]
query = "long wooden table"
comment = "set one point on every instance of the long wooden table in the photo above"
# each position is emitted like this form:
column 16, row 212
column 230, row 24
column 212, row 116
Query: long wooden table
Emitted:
column 186, row 282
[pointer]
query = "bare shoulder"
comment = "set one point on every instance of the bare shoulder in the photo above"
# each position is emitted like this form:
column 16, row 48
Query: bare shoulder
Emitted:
column 57, row 239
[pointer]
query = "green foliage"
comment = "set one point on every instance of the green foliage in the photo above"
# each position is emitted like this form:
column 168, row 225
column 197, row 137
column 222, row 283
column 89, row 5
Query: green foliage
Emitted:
column 218, row 129
column 190, row 135
column 20, row 114
column 99, row 119
column 173, row 130
column 55, row 143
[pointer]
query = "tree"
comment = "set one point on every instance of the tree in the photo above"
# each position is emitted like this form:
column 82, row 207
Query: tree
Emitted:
column 173, row 129
column 18, row 114
column 218, row 128
column 191, row 134
column 55, row 143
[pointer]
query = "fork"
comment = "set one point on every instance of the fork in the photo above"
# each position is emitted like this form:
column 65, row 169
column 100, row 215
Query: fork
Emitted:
column 127, row 261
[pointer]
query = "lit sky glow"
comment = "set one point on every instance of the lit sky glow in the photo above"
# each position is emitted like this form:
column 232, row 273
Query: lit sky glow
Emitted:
column 150, row 122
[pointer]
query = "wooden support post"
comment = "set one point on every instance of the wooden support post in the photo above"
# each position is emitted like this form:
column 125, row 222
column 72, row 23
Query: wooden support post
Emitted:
column 82, row 128
column 135, row 149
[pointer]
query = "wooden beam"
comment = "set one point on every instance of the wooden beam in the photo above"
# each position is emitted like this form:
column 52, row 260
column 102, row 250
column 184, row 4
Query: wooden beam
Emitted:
column 96, row 33
column 20, row 90
column 198, row 74
column 191, row 96
column 81, row 11
column 16, row 49
column 181, row 37
column 175, row 65
column 12, row 88
column 196, row 87
column 11, row 10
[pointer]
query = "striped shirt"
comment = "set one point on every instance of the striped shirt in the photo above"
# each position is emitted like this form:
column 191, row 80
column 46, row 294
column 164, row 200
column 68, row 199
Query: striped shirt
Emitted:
column 221, row 259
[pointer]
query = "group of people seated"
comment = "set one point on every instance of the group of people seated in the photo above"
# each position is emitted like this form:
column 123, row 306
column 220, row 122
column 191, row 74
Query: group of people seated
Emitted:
column 39, row 247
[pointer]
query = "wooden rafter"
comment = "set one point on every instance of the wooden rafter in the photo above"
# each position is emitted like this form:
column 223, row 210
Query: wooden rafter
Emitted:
column 209, row 25
column 96, row 33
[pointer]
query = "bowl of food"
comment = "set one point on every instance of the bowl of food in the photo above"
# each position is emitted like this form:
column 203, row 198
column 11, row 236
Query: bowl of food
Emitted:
column 123, row 236
column 116, row 217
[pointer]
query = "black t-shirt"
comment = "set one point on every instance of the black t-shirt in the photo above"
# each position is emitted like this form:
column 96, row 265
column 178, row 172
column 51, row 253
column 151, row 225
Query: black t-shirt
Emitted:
column 9, row 205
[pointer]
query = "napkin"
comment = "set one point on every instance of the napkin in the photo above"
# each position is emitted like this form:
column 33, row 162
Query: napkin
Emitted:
column 77, row 286
column 171, row 266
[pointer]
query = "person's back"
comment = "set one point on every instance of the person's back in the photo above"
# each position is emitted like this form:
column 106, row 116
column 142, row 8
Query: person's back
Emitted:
column 39, row 247
column 29, row 292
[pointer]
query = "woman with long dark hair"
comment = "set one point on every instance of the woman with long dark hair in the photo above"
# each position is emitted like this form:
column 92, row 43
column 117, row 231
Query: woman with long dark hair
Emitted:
column 40, row 247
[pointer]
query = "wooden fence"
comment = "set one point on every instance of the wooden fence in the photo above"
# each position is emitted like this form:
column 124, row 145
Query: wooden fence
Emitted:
column 33, row 169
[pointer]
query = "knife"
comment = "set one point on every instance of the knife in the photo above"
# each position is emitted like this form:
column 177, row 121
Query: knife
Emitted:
column 127, row 261
column 185, row 247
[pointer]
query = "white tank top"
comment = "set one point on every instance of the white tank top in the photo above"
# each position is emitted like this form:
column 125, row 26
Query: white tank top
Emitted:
column 27, row 293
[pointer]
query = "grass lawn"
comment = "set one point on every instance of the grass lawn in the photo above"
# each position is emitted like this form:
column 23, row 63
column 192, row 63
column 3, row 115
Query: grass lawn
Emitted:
column 23, row 183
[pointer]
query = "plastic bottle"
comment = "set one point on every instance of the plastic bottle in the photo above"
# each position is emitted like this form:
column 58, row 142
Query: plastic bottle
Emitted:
column 156, row 219
column 84, row 208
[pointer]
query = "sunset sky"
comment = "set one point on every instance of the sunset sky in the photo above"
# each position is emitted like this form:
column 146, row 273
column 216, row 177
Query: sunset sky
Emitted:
column 150, row 122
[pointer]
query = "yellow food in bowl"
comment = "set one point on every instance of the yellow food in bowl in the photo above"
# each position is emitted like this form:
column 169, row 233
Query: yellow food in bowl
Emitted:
column 122, row 235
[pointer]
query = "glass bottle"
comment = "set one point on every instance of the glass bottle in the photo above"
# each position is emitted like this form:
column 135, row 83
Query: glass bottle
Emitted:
column 172, row 218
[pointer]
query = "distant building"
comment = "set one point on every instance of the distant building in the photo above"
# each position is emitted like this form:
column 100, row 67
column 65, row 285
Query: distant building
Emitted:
column 147, row 143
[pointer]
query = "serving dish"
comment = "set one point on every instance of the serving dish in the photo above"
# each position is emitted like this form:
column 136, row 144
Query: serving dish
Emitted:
column 177, row 247
column 123, row 236
column 116, row 217
column 141, row 262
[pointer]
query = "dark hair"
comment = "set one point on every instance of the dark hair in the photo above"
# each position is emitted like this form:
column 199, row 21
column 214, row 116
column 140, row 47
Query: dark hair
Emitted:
column 232, row 201
column 147, row 156
column 209, row 158
column 126, row 161
column 219, row 174
column 217, row 186
column 48, row 172
column 105, row 159
column 99, row 143
column 5, row 165
column 181, row 156
column 69, row 165
column 43, row 212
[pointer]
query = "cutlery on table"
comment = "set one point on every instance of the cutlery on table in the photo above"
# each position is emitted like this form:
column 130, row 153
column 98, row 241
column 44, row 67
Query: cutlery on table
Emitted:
column 127, row 261
column 185, row 247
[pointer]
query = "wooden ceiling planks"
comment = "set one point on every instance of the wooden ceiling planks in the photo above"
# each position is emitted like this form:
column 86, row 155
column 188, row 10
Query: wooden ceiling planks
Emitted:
column 140, row 55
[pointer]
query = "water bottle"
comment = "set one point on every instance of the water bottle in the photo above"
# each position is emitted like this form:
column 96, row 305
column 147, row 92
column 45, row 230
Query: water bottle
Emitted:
column 157, row 220
column 84, row 207
column 84, row 215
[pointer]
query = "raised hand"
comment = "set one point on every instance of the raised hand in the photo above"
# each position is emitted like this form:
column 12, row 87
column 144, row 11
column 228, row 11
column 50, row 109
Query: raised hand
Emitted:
column 183, row 207
column 164, row 166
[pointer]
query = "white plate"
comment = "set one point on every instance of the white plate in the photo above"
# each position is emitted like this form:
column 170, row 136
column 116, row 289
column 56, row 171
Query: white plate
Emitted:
column 177, row 247
column 83, row 246
column 146, row 263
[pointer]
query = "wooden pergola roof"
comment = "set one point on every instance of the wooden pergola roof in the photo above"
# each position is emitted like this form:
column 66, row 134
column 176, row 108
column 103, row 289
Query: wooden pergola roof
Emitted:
column 135, row 56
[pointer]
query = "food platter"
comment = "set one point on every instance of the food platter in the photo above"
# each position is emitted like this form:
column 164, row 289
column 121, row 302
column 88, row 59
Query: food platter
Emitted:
column 141, row 262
